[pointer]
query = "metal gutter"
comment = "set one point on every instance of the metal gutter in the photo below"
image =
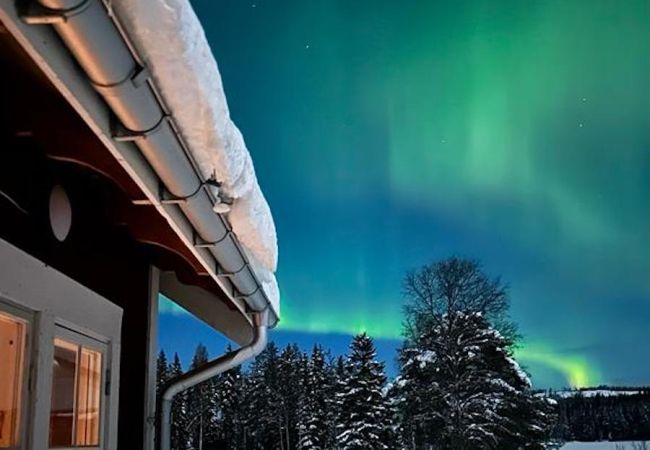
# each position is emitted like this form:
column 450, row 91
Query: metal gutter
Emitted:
column 209, row 370
column 44, row 46
column 113, row 70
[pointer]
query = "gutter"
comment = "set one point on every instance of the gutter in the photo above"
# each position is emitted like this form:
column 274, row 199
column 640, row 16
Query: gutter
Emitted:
column 140, row 117
column 209, row 370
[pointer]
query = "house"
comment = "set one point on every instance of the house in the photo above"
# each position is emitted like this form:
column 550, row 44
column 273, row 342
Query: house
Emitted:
column 122, row 177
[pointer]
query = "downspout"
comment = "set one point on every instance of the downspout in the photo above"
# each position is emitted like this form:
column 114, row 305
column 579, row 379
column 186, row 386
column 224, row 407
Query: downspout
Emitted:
column 209, row 370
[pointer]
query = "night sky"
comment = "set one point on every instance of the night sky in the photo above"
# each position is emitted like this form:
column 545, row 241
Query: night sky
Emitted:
column 387, row 134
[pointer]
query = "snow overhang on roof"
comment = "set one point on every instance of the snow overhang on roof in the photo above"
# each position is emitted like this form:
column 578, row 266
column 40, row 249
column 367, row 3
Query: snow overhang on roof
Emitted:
column 172, row 132
column 169, row 38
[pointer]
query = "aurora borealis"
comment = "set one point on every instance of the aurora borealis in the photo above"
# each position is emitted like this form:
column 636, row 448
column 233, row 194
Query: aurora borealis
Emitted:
column 387, row 134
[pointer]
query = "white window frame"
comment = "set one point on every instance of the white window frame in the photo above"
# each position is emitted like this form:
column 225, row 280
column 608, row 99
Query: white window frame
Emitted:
column 54, row 300
column 74, row 336
column 27, row 317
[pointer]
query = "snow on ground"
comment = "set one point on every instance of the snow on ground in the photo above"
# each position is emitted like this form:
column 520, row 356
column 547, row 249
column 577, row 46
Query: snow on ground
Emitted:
column 600, row 446
column 588, row 393
column 169, row 37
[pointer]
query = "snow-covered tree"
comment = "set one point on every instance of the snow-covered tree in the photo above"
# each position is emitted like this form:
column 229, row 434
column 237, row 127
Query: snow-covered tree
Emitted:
column 476, row 396
column 454, row 364
column 339, row 376
column 414, row 395
column 263, row 428
column 362, row 405
column 179, row 435
column 292, row 367
column 201, row 404
column 229, row 394
column 315, row 420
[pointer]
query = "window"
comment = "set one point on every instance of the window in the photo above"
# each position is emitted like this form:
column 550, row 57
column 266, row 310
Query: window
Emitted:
column 75, row 412
column 12, row 351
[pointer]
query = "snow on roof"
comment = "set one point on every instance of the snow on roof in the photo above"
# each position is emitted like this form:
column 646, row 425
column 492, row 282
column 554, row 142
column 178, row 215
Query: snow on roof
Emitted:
column 170, row 39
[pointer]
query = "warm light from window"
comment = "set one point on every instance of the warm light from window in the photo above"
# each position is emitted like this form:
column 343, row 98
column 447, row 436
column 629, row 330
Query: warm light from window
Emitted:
column 76, row 396
column 12, row 342
column 88, row 398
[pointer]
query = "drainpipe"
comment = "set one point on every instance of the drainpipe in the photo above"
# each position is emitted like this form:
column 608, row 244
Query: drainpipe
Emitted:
column 209, row 370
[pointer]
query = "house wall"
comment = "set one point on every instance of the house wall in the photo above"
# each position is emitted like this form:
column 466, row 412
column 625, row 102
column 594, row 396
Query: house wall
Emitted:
column 98, row 253
column 49, row 300
column 114, row 246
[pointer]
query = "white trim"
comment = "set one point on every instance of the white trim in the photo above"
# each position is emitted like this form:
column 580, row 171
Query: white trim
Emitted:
column 152, row 354
column 27, row 317
column 101, row 346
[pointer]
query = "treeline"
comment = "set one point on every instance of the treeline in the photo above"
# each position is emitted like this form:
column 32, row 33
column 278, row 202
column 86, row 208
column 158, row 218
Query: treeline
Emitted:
column 458, row 388
column 604, row 417
column 286, row 400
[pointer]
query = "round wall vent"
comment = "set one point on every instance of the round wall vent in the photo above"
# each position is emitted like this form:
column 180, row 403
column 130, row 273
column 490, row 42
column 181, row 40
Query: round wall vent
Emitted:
column 60, row 213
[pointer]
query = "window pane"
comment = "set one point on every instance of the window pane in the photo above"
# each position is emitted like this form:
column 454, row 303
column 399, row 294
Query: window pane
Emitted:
column 63, row 390
column 12, row 341
column 75, row 413
column 89, row 395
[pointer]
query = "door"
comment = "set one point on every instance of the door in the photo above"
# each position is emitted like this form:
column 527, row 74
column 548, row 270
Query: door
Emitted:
column 14, row 328
column 77, row 406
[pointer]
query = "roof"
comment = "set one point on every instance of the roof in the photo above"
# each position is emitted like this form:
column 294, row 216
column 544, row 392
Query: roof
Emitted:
column 170, row 40
column 165, row 146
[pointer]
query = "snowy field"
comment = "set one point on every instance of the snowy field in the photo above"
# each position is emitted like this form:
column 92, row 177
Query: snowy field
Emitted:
column 603, row 446
column 589, row 393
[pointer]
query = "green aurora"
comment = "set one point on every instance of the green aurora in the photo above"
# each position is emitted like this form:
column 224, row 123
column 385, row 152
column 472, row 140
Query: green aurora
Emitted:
column 387, row 134
column 575, row 369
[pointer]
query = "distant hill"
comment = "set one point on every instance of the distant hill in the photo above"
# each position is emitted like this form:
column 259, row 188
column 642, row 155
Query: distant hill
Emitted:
column 602, row 391
column 602, row 413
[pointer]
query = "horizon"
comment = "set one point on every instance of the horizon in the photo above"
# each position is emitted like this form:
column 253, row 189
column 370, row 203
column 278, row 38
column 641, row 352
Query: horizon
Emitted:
column 174, row 319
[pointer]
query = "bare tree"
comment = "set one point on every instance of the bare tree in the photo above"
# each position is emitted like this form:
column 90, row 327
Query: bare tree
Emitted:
column 450, row 286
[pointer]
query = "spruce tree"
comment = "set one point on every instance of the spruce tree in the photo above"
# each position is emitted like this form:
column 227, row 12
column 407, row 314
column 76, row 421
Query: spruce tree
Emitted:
column 314, row 426
column 363, row 415
column 162, row 373
column 179, row 435
column 459, row 387
column 339, row 381
column 477, row 396
column 229, row 392
column 263, row 427
column 201, row 404
column 292, row 365
column 414, row 394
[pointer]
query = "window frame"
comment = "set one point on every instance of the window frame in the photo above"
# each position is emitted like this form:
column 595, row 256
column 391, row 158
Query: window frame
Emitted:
column 74, row 336
column 24, row 425
column 51, row 298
